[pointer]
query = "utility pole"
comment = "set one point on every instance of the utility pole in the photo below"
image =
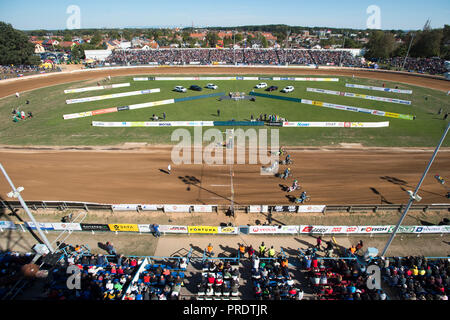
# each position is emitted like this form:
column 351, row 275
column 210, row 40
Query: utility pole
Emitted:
column 414, row 196
column 16, row 194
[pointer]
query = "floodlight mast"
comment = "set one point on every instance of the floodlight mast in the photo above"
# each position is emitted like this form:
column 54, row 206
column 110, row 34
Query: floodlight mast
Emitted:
column 16, row 193
column 415, row 196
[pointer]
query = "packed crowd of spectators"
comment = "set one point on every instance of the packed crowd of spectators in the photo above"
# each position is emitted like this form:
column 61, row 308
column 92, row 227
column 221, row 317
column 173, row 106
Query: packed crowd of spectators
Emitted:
column 157, row 282
column 272, row 280
column 416, row 278
column 420, row 65
column 11, row 264
column 339, row 279
column 219, row 279
column 230, row 56
column 21, row 70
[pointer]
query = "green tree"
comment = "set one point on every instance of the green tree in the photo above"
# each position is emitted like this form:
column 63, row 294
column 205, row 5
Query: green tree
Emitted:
column 427, row 43
column 78, row 52
column 15, row 47
column 211, row 39
column 381, row 45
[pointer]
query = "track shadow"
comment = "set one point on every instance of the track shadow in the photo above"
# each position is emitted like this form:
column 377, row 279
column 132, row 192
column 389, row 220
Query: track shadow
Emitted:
column 394, row 180
column 164, row 171
column 6, row 212
column 382, row 198
column 193, row 181
column 290, row 198
column 228, row 249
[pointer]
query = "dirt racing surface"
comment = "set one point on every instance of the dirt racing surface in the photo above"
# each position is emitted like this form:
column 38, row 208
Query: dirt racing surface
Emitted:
column 29, row 83
column 137, row 175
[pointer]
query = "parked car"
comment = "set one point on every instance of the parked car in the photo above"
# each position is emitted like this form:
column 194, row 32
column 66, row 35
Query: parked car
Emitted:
column 261, row 85
column 288, row 89
column 195, row 87
column 272, row 88
column 180, row 89
column 211, row 86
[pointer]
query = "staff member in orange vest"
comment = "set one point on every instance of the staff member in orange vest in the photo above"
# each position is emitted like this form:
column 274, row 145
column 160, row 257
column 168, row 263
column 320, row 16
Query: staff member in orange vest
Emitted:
column 209, row 250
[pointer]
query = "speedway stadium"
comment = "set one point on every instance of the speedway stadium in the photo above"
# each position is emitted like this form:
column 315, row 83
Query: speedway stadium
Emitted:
column 93, row 161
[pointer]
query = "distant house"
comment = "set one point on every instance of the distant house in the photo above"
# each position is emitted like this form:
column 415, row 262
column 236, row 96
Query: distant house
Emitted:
column 38, row 48
column 198, row 36
column 67, row 44
column 224, row 35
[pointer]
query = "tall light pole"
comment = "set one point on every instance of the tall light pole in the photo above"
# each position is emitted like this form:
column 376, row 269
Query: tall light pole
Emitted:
column 407, row 53
column 16, row 194
column 414, row 196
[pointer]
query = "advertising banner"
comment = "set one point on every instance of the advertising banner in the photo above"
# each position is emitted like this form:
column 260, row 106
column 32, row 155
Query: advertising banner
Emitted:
column 112, row 86
column 94, row 227
column 173, row 229
column 7, row 225
column 259, row 209
column 315, row 229
column 284, row 208
column 361, row 96
column 375, row 229
column 144, row 228
column 307, row 208
column 228, row 230
column 123, row 227
column 203, row 229
column 177, row 208
column 287, row 229
column 67, row 226
column 350, row 85
column 149, row 207
column 125, row 207
column 42, row 225
column 112, row 96
column 263, row 229
column 203, row 208
column 336, row 124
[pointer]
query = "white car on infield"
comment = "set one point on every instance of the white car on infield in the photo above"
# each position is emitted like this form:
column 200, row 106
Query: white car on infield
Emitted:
column 261, row 85
column 288, row 89
column 180, row 89
column 211, row 86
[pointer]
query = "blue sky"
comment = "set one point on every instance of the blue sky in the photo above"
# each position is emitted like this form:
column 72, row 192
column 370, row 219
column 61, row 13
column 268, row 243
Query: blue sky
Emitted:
column 395, row 14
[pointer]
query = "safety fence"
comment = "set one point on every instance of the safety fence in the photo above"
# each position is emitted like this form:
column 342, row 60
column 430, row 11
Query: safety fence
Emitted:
column 186, row 208
column 226, row 230
column 336, row 106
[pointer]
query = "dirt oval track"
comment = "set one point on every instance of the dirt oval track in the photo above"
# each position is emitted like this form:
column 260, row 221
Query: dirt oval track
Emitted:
column 29, row 83
column 330, row 176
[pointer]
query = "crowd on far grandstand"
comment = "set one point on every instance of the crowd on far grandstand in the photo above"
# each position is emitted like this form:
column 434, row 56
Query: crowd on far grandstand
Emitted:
column 230, row 56
column 420, row 65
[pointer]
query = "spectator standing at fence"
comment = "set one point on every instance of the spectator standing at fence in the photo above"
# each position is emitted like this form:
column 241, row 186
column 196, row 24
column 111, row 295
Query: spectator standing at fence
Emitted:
column 271, row 252
column 156, row 231
column 359, row 246
column 250, row 251
column 242, row 249
column 164, row 115
column 318, row 242
column 218, row 112
column 262, row 249
column 209, row 250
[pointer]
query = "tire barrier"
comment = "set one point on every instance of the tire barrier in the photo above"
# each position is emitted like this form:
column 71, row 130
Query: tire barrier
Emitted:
column 337, row 106
column 111, row 86
column 357, row 95
column 112, row 96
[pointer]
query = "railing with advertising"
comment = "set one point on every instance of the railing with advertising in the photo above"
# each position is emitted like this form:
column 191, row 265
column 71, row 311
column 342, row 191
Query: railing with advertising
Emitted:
column 256, row 229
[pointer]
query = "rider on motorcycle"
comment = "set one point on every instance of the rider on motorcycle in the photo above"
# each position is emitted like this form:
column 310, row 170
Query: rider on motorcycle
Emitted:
column 302, row 197
column 287, row 172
